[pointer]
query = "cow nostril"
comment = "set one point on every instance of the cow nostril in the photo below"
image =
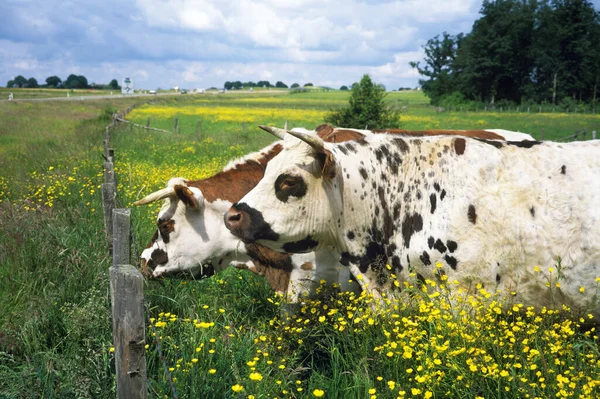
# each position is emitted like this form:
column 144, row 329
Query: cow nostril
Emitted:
column 235, row 217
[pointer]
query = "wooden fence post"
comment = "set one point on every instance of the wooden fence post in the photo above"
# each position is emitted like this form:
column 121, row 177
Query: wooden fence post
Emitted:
column 148, row 123
column 111, row 155
column 109, row 172
column 243, row 128
column 121, row 219
column 542, row 137
column 127, row 304
column 109, row 202
column 593, row 135
column 176, row 125
column 199, row 129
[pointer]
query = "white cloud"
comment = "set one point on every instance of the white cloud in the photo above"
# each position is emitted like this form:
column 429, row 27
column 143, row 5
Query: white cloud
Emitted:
column 203, row 43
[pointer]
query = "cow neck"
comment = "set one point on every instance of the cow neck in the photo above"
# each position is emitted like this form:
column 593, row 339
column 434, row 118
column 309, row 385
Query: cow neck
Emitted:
column 234, row 182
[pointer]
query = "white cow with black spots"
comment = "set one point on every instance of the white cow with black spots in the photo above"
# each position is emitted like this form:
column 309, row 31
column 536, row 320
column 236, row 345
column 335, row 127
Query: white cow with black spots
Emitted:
column 488, row 211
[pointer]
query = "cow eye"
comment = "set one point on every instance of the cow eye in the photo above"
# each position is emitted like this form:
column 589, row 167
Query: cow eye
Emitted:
column 287, row 183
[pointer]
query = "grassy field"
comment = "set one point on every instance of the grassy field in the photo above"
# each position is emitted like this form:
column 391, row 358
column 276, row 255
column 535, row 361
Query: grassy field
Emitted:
column 222, row 337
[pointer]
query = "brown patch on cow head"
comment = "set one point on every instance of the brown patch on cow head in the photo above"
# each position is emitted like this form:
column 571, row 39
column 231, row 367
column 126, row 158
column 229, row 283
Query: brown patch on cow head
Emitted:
column 233, row 184
column 480, row 134
column 268, row 257
column 307, row 266
column 459, row 146
column 186, row 196
column 165, row 228
column 278, row 279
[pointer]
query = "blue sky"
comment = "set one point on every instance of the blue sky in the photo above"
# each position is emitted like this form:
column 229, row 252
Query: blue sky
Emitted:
column 203, row 43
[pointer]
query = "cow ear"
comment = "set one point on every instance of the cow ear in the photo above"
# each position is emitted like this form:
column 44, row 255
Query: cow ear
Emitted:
column 191, row 196
column 328, row 161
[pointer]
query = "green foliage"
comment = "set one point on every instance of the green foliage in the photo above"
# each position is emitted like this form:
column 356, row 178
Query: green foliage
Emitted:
column 344, row 88
column 293, row 86
column 308, row 85
column 518, row 51
column 18, row 81
column 32, row 83
column 366, row 108
column 53, row 81
column 114, row 85
column 281, row 85
column 76, row 82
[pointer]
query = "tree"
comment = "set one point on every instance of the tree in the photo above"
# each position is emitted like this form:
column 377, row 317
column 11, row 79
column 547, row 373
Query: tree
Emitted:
column 32, row 83
column 18, row 81
column 293, row 86
column 75, row 82
column 264, row 83
column 114, row 85
column 308, row 85
column 344, row 88
column 53, row 81
column 439, row 58
column 366, row 108
column 281, row 85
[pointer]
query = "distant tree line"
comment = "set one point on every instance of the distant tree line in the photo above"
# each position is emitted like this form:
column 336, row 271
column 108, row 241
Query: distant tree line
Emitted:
column 238, row 85
column 519, row 51
column 54, row 82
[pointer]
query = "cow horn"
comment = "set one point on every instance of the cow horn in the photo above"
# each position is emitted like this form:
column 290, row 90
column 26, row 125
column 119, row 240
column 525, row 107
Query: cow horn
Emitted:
column 157, row 195
column 285, row 127
column 314, row 141
column 275, row 131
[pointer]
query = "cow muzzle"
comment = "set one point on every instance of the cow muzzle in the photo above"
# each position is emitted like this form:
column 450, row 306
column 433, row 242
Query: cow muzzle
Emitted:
column 248, row 224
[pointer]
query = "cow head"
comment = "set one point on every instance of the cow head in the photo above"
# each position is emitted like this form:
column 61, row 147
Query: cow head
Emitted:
column 291, row 208
column 190, row 238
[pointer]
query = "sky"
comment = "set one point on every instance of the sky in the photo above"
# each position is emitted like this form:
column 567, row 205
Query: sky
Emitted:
column 203, row 43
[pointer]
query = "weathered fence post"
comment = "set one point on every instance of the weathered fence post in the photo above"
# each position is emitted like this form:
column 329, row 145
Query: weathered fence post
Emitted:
column 244, row 127
column 127, row 303
column 148, row 122
column 109, row 202
column 111, row 155
column 542, row 137
column 593, row 135
column 199, row 129
column 176, row 125
column 109, row 172
column 121, row 232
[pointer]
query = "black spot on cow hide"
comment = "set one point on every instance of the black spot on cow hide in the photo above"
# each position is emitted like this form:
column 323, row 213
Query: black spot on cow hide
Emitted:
column 350, row 235
column 433, row 201
column 524, row 143
column 430, row 242
column 363, row 173
column 439, row 245
column 437, row 187
column 471, row 214
column 302, row 246
column 532, row 211
column 425, row 258
column 493, row 143
column 442, row 194
column 451, row 261
column 452, row 245
column 497, row 279
column 563, row 169
column 410, row 225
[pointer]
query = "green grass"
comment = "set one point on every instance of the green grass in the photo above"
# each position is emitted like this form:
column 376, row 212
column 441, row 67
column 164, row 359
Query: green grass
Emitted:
column 55, row 331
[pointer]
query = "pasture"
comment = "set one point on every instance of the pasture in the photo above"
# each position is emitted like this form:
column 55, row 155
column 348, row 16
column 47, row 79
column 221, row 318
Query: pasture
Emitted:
column 223, row 337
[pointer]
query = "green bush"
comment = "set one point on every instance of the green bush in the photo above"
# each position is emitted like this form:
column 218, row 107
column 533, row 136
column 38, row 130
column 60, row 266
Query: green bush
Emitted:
column 366, row 108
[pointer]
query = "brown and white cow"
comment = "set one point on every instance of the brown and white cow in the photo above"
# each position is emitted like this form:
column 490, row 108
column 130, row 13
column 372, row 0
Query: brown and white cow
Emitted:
column 499, row 214
column 192, row 242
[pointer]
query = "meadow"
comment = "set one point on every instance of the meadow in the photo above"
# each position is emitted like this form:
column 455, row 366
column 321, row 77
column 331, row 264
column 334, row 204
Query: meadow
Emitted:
column 223, row 337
